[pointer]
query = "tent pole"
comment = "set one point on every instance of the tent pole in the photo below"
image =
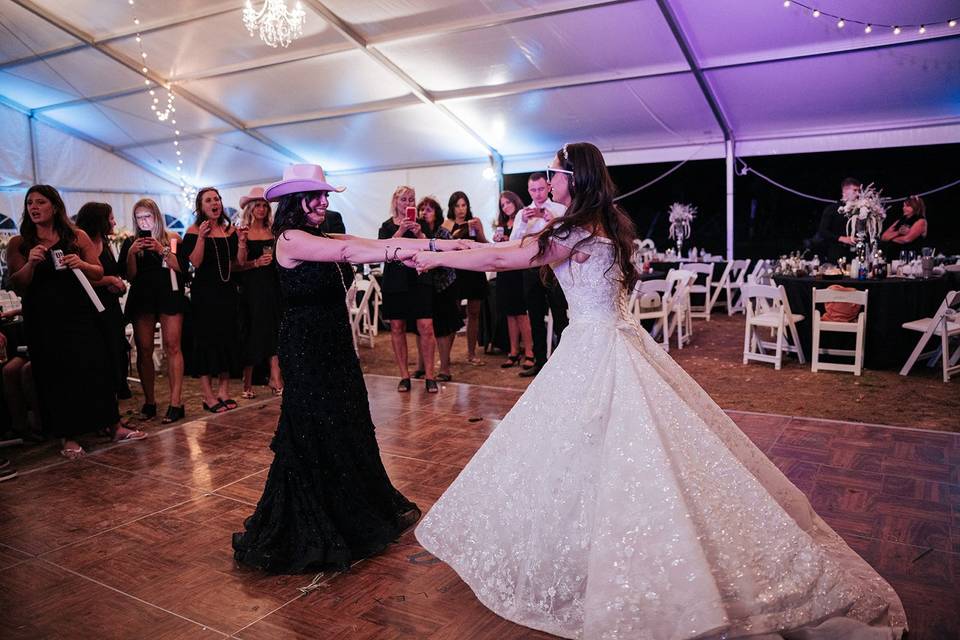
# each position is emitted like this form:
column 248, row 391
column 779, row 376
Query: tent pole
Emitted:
column 33, row 149
column 729, row 163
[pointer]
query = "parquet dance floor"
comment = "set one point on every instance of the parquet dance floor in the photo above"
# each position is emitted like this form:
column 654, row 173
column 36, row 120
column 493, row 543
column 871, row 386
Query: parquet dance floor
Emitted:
column 134, row 540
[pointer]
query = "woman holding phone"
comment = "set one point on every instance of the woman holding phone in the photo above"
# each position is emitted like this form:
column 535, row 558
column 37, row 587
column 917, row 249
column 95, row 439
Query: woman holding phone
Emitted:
column 215, row 248
column 408, row 297
column 259, row 294
column 150, row 263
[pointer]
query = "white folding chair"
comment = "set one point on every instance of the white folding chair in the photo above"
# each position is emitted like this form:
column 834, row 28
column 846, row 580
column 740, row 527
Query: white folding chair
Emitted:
column 651, row 300
column 706, row 289
column 361, row 323
column 721, row 285
column 736, row 280
column 682, row 319
column 859, row 327
column 767, row 307
column 945, row 323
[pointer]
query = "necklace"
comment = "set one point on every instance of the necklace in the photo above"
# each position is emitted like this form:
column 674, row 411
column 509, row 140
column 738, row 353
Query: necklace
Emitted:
column 219, row 267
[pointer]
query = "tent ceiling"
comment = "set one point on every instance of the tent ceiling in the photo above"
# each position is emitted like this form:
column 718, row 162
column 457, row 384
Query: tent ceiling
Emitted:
column 516, row 76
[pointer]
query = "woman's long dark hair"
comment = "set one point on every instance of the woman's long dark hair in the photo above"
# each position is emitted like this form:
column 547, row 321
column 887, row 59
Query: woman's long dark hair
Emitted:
column 515, row 200
column 198, row 208
column 94, row 218
column 290, row 213
column 61, row 223
column 452, row 204
column 592, row 207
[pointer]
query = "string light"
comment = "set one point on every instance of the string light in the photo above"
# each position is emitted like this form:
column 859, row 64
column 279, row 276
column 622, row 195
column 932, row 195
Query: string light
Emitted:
column 868, row 27
column 164, row 114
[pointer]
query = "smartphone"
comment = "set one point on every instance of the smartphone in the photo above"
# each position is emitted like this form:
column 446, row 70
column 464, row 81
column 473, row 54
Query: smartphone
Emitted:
column 411, row 214
column 143, row 233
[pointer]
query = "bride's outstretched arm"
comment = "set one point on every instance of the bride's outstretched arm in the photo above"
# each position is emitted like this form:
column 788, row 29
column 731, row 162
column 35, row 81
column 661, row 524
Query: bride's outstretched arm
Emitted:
column 295, row 246
column 522, row 255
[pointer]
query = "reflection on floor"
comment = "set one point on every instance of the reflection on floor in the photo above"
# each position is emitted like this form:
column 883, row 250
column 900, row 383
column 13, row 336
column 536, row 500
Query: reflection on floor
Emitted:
column 134, row 541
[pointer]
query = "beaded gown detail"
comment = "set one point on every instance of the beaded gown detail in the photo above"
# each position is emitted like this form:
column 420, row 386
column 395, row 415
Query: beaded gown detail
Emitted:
column 617, row 500
column 327, row 501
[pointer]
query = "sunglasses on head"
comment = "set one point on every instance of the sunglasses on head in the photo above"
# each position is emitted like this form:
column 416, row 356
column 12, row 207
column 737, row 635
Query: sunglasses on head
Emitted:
column 552, row 172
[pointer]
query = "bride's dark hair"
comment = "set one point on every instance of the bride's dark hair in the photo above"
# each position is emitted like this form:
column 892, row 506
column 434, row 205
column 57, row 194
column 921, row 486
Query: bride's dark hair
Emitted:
column 592, row 207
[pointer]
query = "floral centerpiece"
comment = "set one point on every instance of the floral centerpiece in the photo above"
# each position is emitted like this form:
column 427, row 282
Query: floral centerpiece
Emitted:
column 865, row 213
column 681, row 215
column 119, row 235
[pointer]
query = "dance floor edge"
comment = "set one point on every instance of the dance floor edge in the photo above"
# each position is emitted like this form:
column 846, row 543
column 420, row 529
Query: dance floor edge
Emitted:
column 134, row 540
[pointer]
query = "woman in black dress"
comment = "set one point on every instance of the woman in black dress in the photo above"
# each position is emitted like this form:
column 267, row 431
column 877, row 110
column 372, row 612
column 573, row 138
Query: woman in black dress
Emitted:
column 908, row 233
column 151, row 263
column 407, row 296
column 447, row 320
column 215, row 248
column 96, row 219
column 68, row 349
column 328, row 501
column 471, row 285
column 510, row 299
column 259, row 294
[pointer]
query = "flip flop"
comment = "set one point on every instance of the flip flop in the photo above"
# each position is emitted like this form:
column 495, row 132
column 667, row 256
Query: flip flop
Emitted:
column 229, row 403
column 248, row 395
column 215, row 408
column 131, row 436
column 71, row 453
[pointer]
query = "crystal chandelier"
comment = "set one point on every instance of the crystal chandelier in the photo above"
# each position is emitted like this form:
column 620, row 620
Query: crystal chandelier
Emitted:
column 277, row 25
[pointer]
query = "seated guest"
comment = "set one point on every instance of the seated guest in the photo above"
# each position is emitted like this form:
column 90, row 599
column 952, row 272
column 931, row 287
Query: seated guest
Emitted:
column 96, row 218
column 50, row 261
column 909, row 231
column 447, row 320
column 511, row 301
column 831, row 239
column 157, row 286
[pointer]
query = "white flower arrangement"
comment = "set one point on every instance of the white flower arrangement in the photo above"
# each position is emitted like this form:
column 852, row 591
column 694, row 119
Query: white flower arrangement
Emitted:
column 681, row 215
column 120, row 234
column 866, row 206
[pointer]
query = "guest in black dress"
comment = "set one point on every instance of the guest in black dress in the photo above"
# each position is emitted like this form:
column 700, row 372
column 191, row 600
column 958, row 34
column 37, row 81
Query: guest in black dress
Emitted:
column 259, row 294
column 510, row 299
column 96, row 219
column 471, row 285
column 328, row 500
column 215, row 248
column 66, row 338
column 155, row 270
column 408, row 296
column 909, row 231
column 447, row 320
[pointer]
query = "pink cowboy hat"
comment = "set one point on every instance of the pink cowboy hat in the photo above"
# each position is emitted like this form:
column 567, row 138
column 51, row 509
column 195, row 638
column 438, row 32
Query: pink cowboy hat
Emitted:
column 300, row 177
column 256, row 193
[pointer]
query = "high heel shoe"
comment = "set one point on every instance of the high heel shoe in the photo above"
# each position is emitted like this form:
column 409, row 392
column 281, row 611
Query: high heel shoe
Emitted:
column 148, row 411
column 174, row 414
column 512, row 361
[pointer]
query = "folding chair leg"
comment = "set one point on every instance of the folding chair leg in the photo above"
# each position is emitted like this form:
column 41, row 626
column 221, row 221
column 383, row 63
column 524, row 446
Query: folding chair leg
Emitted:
column 945, row 341
column 917, row 350
column 815, row 356
column 779, row 353
column 796, row 342
column 747, row 342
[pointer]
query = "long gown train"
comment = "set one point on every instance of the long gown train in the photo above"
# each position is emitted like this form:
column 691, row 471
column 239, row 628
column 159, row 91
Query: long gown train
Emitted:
column 617, row 500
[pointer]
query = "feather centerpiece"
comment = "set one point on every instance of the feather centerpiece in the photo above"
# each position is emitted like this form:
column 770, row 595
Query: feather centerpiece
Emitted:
column 865, row 212
column 681, row 215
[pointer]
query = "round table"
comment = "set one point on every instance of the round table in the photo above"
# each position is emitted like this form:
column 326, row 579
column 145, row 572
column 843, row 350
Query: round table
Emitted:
column 892, row 301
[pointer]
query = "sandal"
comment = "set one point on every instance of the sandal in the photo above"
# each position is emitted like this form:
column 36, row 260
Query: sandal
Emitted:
column 229, row 403
column 174, row 414
column 404, row 386
column 444, row 377
column 475, row 361
column 432, row 386
column 512, row 361
column 528, row 363
column 131, row 436
column 419, row 373
column 217, row 407
column 277, row 391
column 248, row 395
column 71, row 453
column 148, row 411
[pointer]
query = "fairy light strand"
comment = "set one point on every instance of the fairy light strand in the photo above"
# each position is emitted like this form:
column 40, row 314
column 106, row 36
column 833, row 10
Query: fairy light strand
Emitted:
column 868, row 26
column 165, row 114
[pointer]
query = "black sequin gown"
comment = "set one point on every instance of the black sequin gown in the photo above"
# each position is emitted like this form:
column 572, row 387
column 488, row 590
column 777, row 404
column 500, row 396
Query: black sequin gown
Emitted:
column 328, row 500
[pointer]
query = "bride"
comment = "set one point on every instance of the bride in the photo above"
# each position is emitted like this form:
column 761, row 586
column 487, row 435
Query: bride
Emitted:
column 616, row 499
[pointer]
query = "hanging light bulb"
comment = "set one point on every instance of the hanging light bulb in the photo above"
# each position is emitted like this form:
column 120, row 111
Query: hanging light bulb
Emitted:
column 922, row 29
column 952, row 24
column 816, row 13
column 841, row 23
column 867, row 29
column 896, row 31
column 786, row 3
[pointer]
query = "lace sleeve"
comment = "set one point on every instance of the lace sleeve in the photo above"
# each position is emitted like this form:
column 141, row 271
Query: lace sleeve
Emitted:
column 573, row 238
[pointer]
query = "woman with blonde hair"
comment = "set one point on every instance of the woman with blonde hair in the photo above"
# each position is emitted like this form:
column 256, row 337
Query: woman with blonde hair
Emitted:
column 150, row 263
column 408, row 297
column 259, row 294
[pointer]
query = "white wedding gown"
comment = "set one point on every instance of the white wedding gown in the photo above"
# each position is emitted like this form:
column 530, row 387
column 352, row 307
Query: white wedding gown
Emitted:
column 617, row 500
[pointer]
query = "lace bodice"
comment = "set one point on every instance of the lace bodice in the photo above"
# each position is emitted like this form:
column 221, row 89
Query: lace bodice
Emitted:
column 592, row 287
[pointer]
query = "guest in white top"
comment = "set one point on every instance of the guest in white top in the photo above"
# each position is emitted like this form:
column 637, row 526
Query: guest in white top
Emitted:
column 531, row 221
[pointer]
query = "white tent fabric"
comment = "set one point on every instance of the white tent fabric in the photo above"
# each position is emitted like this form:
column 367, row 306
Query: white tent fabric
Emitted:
column 386, row 86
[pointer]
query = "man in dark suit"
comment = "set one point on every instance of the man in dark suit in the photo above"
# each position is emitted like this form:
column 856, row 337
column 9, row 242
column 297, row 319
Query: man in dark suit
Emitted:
column 333, row 223
column 831, row 239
